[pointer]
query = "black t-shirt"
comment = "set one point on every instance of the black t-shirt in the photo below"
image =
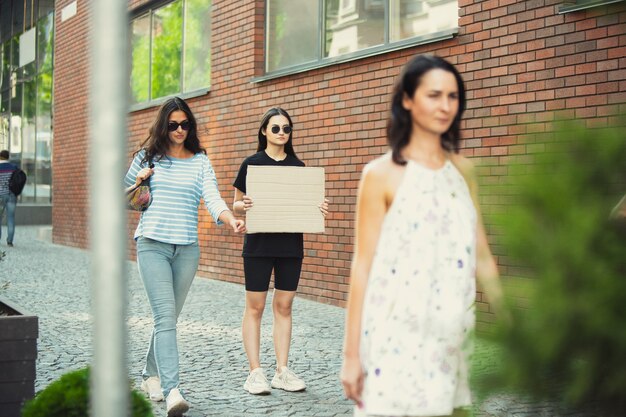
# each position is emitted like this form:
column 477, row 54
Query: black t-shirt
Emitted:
column 269, row 244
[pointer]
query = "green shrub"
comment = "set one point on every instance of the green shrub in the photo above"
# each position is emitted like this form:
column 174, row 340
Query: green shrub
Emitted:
column 69, row 397
column 569, row 344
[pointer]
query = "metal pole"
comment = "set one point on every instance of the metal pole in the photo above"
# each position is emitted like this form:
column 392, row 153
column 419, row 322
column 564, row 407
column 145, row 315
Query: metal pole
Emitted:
column 108, row 106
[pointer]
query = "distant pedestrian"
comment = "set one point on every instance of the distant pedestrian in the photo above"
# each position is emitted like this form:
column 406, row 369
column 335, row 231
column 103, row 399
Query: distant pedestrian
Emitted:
column 419, row 246
column 167, row 236
column 267, row 252
column 8, row 200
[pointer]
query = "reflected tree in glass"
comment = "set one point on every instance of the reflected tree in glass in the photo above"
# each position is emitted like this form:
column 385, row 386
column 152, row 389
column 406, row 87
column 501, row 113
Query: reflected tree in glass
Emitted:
column 45, row 43
column 28, row 137
column 166, row 49
column 197, row 56
column 292, row 33
column 140, row 51
column 43, row 164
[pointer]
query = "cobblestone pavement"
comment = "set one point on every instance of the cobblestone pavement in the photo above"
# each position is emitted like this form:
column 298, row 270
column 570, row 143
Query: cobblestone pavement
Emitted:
column 52, row 281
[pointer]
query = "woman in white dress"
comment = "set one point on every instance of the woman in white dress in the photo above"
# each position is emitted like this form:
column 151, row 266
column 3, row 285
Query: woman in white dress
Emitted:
column 419, row 246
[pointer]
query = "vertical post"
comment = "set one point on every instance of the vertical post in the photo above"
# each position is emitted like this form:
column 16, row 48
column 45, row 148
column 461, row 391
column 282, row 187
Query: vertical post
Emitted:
column 108, row 108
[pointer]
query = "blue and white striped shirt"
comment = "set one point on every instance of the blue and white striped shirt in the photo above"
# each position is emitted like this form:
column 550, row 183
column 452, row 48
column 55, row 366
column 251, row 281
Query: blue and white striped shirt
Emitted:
column 177, row 186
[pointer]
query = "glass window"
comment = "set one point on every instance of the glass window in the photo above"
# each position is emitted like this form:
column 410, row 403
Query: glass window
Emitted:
column 353, row 25
column 26, row 108
column 169, row 50
column 43, row 145
column 5, row 20
column 29, row 105
column 17, row 13
column 575, row 5
column 45, row 7
column 140, row 51
column 5, row 65
column 45, row 43
column 411, row 18
column 292, row 32
column 4, row 130
column 167, row 23
column 197, row 57
column 350, row 27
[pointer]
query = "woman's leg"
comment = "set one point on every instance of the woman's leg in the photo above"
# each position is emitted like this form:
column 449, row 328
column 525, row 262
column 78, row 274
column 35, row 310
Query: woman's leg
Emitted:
column 286, row 278
column 257, row 276
column 157, row 266
column 251, row 326
column 184, row 264
column 282, row 306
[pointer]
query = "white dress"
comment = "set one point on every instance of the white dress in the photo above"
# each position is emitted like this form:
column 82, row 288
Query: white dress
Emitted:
column 418, row 312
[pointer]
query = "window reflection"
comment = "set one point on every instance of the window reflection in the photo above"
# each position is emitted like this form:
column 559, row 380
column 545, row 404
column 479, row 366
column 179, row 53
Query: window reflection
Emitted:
column 292, row 28
column 167, row 24
column 352, row 25
column 26, row 106
column 43, row 146
column 29, row 104
column 409, row 18
column 197, row 65
column 140, row 50
column 170, row 48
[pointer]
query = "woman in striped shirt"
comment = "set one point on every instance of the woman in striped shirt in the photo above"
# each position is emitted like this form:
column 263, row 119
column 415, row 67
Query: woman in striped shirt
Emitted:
column 167, row 236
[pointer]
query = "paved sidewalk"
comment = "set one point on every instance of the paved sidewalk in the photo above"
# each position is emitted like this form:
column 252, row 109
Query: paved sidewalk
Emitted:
column 52, row 281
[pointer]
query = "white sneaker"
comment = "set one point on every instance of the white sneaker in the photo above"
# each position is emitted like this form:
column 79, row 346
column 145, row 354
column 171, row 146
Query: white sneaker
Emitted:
column 152, row 387
column 176, row 404
column 286, row 380
column 256, row 383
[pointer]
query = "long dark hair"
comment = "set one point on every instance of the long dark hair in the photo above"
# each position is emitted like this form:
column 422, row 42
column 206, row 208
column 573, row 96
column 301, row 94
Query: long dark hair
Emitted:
column 275, row 111
column 399, row 124
column 157, row 142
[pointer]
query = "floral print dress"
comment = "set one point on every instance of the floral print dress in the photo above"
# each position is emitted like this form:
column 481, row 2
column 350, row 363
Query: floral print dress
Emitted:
column 418, row 312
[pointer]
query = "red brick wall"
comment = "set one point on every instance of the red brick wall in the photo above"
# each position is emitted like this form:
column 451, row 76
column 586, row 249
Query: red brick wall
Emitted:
column 70, row 149
column 522, row 62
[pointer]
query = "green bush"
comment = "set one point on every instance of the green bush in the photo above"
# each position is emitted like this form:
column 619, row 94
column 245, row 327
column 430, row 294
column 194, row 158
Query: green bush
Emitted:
column 69, row 397
column 569, row 343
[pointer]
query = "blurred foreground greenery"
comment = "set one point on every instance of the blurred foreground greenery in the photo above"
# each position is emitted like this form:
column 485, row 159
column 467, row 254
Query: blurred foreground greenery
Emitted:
column 68, row 396
column 568, row 341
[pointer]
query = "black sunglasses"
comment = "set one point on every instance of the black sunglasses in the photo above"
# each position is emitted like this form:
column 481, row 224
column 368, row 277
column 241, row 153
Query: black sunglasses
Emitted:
column 173, row 126
column 287, row 129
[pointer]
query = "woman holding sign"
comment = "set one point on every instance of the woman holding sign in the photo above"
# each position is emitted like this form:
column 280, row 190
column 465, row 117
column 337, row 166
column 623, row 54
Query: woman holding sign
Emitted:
column 264, row 252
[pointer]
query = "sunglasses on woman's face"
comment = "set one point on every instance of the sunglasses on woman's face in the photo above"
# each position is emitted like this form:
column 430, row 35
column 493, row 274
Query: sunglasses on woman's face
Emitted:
column 173, row 126
column 275, row 129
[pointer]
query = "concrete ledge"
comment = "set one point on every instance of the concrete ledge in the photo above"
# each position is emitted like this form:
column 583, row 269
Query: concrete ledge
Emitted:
column 26, row 214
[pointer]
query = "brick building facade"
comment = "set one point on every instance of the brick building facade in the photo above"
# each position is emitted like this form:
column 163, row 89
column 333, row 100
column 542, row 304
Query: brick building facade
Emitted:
column 524, row 62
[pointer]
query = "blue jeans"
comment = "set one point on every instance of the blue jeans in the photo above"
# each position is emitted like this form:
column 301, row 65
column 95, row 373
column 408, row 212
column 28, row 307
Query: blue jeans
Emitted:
column 167, row 272
column 8, row 201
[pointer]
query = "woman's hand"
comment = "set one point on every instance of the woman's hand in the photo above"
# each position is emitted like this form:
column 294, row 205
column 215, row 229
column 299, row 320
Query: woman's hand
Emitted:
column 352, row 379
column 239, row 226
column 143, row 174
column 324, row 207
column 247, row 203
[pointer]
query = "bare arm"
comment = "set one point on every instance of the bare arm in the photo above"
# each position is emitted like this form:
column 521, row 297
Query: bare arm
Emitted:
column 241, row 203
column 141, row 175
column 370, row 212
column 228, row 218
column 486, row 267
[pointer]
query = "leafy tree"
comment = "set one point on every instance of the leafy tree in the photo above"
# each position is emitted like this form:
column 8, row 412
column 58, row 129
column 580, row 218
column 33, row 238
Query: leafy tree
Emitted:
column 569, row 344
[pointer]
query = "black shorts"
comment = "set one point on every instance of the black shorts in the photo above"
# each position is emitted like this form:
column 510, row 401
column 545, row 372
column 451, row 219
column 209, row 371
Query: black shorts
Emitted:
column 258, row 270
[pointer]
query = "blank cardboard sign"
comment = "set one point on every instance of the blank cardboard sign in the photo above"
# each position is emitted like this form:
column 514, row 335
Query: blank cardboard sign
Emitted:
column 285, row 199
